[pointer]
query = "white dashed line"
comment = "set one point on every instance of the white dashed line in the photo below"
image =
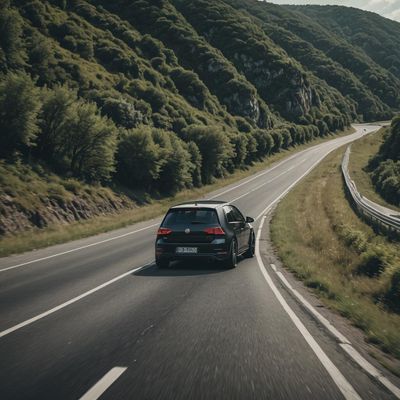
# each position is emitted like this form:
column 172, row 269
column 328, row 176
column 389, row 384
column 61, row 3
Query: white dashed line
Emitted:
column 104, row 383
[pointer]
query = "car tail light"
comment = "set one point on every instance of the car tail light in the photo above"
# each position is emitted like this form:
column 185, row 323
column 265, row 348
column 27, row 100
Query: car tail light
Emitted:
column 164, row 231
column 214, row 231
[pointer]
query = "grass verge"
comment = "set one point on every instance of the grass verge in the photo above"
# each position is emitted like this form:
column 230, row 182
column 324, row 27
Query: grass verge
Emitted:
column 55, row 234
column 320, row 238
column 361, row 152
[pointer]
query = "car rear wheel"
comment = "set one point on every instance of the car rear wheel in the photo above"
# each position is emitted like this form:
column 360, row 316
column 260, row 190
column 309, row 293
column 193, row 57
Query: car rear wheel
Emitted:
column 162, row 263
column 252, row 246
column 231, row 262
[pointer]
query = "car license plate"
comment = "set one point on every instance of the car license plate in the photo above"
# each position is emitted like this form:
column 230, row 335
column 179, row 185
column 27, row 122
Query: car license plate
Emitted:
column 186, row 250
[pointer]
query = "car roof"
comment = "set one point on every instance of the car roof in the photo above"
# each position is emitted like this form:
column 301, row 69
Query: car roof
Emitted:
column 201, row 204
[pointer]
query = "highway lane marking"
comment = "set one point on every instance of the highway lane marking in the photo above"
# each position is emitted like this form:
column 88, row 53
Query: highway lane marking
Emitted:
column 79, row 248
column 73, row 300
column 104, row 383
column 341, row 382
column 266, row 183
column 153, row 225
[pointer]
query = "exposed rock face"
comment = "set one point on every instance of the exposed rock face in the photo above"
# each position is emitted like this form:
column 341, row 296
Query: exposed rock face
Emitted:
column 245, row 106
column 14, row 218
column 285, row 87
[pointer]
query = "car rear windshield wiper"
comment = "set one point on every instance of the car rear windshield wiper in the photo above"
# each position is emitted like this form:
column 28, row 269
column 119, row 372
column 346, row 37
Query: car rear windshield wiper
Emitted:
column 197, row 222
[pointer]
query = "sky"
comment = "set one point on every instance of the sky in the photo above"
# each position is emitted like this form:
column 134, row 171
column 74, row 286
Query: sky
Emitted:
column 387, row 8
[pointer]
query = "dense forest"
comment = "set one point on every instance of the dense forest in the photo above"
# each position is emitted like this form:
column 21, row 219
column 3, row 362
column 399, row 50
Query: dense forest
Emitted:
column 161, row 95
column 385, row 166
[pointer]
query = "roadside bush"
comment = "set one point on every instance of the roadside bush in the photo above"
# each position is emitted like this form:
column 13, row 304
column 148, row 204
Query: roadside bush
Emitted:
column 265, row 142
column 214, row 147
column 195, row 163
column 373, row 262
column 174, row 162
column 393, row 294
column 278, row 140
column 138, row 164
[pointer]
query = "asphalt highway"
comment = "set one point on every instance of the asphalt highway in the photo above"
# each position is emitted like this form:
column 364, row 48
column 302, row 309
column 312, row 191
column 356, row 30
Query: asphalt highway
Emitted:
column 95, row 318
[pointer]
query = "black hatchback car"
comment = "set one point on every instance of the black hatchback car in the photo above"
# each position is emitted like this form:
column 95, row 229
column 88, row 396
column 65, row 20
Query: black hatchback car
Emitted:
column 204, row 229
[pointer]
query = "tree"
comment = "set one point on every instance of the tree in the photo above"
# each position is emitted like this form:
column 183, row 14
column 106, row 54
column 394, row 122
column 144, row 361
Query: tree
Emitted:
column 55, row 119
column 195, row 165
column 12, row 52
column 174, row 161
column 19, row 105
column 138, row 163
column 122, row 112
column 90, row 143
column 214, row 147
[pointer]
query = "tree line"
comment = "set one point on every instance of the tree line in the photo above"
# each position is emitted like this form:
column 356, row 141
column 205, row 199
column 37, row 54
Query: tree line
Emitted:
column 76, row 137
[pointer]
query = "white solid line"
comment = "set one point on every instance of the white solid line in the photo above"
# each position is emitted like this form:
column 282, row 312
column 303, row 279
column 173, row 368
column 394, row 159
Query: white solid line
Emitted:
column 78, row 248
column 103, row 384
column 341, row 382
column 69, row 302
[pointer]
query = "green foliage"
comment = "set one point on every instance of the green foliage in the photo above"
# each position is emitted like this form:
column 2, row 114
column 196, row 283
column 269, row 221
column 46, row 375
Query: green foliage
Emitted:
column 12, row 52
column 265, row 142
column 175, row 163
column 214, row 147
column 18, row 113
column 373, row 261
column 89, row 143
column 123, row 112
column 138, row 162
column 393, row 294
column 204, row 86
column 385, row 165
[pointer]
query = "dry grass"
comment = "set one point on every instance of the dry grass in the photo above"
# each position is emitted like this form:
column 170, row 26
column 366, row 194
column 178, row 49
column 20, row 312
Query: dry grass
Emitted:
column 362, row 151
column 320, row 238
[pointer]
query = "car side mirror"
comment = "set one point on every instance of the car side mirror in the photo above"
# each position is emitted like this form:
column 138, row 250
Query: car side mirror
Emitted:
column 249, row 220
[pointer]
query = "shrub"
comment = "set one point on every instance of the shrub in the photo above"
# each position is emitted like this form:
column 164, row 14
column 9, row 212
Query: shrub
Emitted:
column 373, row 262
column 393, row 293
column 265, row 142
column 138, row 164
column 122, row 112
column 214, row 147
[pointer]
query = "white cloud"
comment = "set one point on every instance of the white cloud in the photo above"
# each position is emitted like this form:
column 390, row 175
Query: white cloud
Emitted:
column 387, row 8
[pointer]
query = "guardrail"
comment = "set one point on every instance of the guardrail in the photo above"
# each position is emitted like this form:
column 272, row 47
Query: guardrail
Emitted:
column 382, row 218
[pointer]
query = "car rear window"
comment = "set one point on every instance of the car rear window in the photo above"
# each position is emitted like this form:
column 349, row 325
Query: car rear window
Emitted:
column 189, row 216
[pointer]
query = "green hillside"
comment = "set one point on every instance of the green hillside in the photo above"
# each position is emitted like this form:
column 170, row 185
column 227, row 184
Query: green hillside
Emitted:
column 153, row 97
column 377, row 36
